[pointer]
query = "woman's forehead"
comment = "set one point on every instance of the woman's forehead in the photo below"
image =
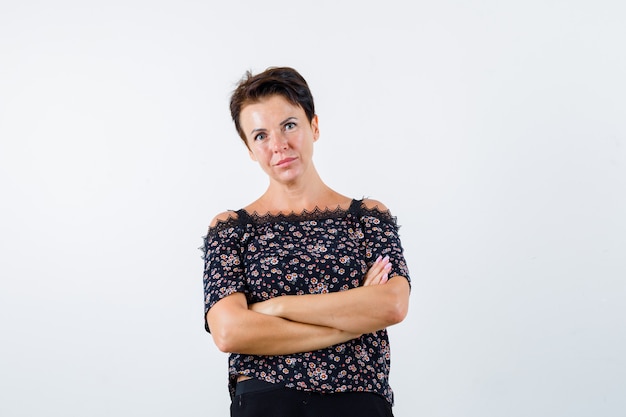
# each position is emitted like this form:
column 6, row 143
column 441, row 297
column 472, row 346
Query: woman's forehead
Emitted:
column 270, row 109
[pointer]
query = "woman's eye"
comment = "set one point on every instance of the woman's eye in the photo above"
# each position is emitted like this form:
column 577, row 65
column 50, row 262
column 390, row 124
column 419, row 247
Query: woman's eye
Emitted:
column 290, row 125
column 260, row 136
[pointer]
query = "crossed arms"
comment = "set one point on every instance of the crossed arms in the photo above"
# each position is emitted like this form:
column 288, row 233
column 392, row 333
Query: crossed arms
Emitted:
column 301, row 323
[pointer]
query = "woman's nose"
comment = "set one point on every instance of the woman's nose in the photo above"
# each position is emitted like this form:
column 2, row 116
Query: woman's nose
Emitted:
column 279, row 141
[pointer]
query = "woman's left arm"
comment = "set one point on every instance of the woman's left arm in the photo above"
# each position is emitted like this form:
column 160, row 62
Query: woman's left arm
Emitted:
column 378, row 303
column 358, row 310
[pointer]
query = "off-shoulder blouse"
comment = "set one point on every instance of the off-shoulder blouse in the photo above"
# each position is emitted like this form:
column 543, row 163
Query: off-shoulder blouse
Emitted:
column 266, row 256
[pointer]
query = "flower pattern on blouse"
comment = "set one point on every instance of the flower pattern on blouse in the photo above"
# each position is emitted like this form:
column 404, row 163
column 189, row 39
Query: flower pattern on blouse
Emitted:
column 310, row 253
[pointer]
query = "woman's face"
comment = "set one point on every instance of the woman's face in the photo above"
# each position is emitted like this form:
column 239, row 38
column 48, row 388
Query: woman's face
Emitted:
column 279, row 137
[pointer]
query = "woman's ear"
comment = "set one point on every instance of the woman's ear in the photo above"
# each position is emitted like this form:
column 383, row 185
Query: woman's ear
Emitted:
column 315, row 128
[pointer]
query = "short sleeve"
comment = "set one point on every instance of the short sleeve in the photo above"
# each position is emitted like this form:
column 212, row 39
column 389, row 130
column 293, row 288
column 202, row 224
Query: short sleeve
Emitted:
column 223, row 267
column 381, row 238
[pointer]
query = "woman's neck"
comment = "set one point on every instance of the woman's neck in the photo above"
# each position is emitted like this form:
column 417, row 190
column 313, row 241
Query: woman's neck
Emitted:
column 294, row 198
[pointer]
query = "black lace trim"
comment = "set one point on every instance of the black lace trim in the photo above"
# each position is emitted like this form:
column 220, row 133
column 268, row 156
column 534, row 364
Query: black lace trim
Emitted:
column 243, row 218
column 304, row 216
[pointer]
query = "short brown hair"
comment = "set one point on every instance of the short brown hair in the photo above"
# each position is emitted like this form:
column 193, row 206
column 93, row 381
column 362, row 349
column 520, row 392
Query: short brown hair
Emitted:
column 283, row 81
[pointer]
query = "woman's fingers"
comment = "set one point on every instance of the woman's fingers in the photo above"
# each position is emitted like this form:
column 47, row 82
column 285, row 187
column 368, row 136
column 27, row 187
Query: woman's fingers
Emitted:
column 373, row 272
column 378, row 272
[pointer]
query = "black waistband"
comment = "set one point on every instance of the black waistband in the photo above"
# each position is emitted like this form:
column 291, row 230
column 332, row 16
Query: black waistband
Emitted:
column 254, row 385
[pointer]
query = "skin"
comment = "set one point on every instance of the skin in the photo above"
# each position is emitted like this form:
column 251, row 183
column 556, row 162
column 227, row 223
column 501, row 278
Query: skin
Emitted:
column 281, row 140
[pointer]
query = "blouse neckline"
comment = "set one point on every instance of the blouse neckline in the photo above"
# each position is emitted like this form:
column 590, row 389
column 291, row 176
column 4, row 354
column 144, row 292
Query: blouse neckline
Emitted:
column 305, row 215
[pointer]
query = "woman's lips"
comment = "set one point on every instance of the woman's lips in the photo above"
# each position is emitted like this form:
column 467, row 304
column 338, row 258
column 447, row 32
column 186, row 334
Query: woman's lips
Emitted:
column 285, row 161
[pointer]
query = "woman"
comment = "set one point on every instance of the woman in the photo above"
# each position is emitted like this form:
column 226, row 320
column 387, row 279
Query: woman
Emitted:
column 301, row 283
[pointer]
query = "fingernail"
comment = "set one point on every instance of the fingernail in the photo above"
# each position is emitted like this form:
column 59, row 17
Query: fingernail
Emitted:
column 388, row 267
column 379, row 258
column 386, row 258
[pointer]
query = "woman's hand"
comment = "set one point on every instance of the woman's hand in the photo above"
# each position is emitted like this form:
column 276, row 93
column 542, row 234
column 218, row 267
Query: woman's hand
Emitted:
column 265, row 307
column 378, row 272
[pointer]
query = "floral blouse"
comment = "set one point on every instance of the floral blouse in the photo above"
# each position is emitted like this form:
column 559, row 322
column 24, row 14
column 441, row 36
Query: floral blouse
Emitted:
column 310, row 253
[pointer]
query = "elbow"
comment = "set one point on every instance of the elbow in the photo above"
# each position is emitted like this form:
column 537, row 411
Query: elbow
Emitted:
column 225, row 340
column 397, row 313
column 221, row 342
column 398, row 304
column 226, row 319
column 224, row 335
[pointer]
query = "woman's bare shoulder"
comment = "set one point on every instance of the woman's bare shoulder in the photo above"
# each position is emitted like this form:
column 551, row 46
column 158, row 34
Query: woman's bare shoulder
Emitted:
column 223, row 217
column 371, row 204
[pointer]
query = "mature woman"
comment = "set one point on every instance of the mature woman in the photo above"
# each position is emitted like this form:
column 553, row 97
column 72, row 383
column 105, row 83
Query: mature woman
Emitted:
column 301, row 284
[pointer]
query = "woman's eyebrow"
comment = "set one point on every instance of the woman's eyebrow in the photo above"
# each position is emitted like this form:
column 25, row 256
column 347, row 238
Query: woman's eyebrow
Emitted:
column 258, row 129
column 288, row 119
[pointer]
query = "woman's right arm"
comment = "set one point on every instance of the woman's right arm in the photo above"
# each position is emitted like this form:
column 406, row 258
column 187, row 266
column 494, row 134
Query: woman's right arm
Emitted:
column 236, row 329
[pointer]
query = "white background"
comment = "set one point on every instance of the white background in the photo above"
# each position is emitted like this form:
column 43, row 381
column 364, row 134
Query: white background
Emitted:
column 495, row 132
